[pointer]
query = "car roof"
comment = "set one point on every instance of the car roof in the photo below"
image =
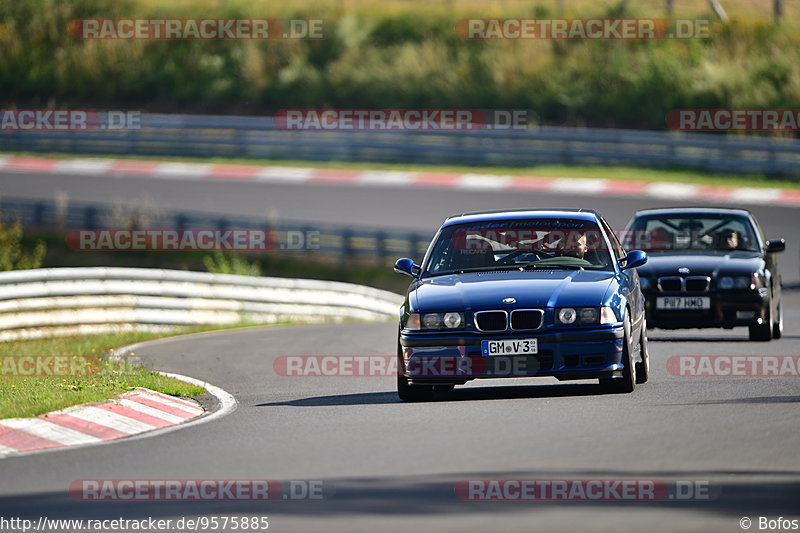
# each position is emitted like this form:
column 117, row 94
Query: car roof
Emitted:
column 692, row 210
column 518, row 214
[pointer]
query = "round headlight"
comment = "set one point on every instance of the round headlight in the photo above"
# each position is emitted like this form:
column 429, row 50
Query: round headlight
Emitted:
column 744, row 282
column 726, row 282
column 432, row 320
column 644, row 283
column 452, row 320
column 567, row 315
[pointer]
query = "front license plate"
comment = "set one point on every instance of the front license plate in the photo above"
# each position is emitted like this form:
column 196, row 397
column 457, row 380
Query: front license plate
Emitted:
column 510, row 347
column 683, row 303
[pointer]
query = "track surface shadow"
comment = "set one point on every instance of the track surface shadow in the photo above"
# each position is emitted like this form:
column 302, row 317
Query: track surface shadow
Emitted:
column 731, row 494
column 458, row 395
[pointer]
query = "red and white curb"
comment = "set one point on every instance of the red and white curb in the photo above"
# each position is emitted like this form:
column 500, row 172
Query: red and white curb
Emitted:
column 436, row 180
column 138, row 412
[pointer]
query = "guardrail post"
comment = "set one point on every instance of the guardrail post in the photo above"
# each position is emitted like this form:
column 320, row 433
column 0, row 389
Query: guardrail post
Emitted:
column 347, row 245
column 380, row 245
column 90, row 218
column 181, row 222
column 38, row 215
column 414, row 252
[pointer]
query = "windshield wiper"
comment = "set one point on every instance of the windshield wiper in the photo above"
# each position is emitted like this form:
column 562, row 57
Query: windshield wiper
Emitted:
column 474, row 269
column 486, row 269
column 534, row 266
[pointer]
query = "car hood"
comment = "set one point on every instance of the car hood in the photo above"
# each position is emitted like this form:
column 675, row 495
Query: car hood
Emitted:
column 701, row 264
column 486, row 290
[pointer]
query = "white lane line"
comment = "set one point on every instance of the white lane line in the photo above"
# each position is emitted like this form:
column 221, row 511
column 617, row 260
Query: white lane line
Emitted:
column 147, row 410
column 83, row 166
column 578, row 185
column 285, row 174
column 385, row 178
column 48, row 430
column 108, row 419
column 483, row 181
column 671, row 190
column 755, row 196
column 177, row 405
column 182, row 170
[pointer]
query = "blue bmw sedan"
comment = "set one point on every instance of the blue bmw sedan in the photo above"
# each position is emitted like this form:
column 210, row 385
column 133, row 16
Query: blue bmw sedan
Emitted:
column 518, row 294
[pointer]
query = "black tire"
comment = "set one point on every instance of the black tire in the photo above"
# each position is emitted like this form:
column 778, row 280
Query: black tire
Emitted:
column 627, row 383
column 763, row 332
column 777, row 326
column 643, row 367
column 413, row 393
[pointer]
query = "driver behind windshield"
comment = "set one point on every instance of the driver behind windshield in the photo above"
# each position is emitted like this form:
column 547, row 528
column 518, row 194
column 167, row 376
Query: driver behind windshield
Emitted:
column 728, row 240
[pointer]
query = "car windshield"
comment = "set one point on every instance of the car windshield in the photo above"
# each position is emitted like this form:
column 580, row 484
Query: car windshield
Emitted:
column 547, row 244
column 693, row 231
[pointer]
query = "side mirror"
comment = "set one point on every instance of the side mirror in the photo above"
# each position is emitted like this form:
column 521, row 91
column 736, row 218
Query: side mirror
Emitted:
column 635, row 258
column 776, row 245
column 407, row 266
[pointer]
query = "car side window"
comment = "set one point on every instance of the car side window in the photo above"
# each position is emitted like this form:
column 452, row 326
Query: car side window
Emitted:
column 616, row 247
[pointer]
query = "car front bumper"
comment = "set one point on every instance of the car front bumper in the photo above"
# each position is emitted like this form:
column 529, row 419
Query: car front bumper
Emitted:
column 727, row 310
column 457, row 358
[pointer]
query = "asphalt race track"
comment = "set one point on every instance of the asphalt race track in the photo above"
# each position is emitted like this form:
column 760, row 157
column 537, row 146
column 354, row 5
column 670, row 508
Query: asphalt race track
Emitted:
column 390, row 466
column 346, row 205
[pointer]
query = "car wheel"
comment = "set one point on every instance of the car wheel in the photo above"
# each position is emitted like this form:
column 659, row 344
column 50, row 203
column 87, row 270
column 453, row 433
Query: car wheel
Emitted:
column 643, row 367
column 763, row 332
column 777, row 326
column 627, row 383
column 413, row 393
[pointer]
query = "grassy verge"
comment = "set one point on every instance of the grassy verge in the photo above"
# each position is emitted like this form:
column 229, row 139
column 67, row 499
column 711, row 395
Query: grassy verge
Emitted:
column 22, row 396
column 553, row 171
column 404, row 54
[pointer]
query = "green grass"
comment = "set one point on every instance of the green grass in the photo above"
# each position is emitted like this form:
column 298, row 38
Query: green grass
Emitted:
column 31, row 396
column 402, row 54
column 554, row 171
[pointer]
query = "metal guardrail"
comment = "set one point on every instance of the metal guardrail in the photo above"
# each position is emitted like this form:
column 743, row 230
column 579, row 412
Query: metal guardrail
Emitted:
column 257, row 137
column 69, row 301
column 383, row 246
